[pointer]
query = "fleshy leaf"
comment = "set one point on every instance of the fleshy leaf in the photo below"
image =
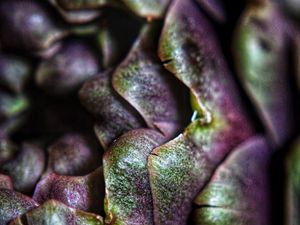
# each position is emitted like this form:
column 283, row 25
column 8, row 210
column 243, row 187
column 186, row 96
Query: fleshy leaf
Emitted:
column 7, row 149
column 261, row 57
column 85, row 193
column 31, row 25
column 112, row 42
column 13, row 204
column 238, row 191
column 114, row 115
column 81, row 4
column 147, row 86
column 128, row 196
column 14, row 71
column 76, row 16
column 5, row 182
column 180, row 168
column 12, row 105
column 78, row 11
column 293, row 184
column 109, row 46
column 54, row 212
column 73, row 155
column 215, row 8
column 191, row 52
column 74, row 63
column 26, row 168
column 148, row 8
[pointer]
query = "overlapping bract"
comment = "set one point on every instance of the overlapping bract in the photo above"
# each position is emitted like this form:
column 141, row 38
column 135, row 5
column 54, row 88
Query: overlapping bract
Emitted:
column 180, row 168
column 261, row 57
column 157, row 168
column 54, row 212
column 238, row 188
column 79, row 192
column 128, row 195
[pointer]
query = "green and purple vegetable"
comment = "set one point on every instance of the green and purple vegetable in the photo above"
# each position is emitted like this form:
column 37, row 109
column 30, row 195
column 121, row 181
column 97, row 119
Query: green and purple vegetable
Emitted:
column 149, row 112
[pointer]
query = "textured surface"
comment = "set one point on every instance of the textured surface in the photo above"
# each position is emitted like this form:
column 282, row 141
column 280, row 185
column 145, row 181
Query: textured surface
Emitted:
column 237, row 193
column 85, row 193
column 180, row 168
column 128, row 196
column 73, row 155
column 13, row 204
column 182, row 95
column 114, row 115
column 53, row 213
column 147, row 86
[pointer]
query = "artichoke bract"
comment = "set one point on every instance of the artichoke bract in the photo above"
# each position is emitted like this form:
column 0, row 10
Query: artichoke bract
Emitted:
column 215, row 8
column 149, row 112
column 28, row 25
column 237, row 187
column 128, row 195
column 5, row 182
column 14, row 204
column 25, row 168
column 54, row 212
column 74, row 63
column 80, row 192
column 14, row 71
column 262, row 61
column 73, row 155
column 77, row 11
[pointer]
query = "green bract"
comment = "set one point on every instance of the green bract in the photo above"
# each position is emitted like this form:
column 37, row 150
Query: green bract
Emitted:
column 149, row 112
column 54, row 212
column 261, row 57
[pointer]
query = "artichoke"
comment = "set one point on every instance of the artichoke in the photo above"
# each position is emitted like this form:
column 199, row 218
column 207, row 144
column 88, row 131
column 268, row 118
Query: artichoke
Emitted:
column 165, row 112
